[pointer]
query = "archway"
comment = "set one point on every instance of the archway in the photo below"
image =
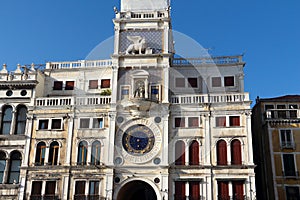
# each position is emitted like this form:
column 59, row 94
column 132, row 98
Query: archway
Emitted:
column 137, row 190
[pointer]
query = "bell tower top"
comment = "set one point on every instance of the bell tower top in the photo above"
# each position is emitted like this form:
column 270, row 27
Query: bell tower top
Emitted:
column 144, row 5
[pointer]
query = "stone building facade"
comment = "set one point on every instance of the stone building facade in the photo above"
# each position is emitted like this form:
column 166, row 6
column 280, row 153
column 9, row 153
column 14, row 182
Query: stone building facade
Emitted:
column 141, row 125
column 276, row 123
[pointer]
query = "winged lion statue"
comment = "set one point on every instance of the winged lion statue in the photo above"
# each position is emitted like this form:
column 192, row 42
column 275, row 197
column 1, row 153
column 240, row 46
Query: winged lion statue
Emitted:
column 138, row 45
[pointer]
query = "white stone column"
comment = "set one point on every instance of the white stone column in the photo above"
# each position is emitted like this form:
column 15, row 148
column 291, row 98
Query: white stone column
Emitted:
column 230, row 189
column 69, row 140
column 43, row 188
column 46, row 155
column 65, row 188
column 228, row 153
column 109, row 185
column 187, row 191
column 13, row 122
column 28, row 132
column 89, row 154
column 165, row 86
column 187, row 153
column 111, row 141
column 5, row 174
column 166, row 38
column 22, row 188
column 165, row 136
column 207, row 140
column 249, row 138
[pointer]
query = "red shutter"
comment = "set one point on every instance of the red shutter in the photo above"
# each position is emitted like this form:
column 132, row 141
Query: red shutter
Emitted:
column 234, row 120
column 180, row 190
column 194, row 153
column 80, row 187
column 221, row 153
column 236, row 152
column 194, row 189
column 223, row 190
column 238, row 189
column 105, row 83
column 180, row 153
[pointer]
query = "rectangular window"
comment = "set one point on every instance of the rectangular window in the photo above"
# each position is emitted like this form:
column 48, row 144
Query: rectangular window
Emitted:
column 293, row 112
column 289, row 165
column 98, row 123
column 70, row 85
column 292, row 193
column 286, row 139
column 58, row 85
column 179, row 82
column 180, row 190
column 155, row 92
column 124, row 92
column 93, row 84
column 43, row 124
column 56, row 124
column 238, row 189
column 179, row 122
column 50, row 188
column 220, row 121
column 223, row 190
column 94, row 188
column 193, row 82
column 79, row 189
column 216, row 81
column 269, row 111
column 84, row 123
column 105, row 83
column 193, row 121
column 228, row 81
column 234, row 121
column 281, row 113
column 36, row 188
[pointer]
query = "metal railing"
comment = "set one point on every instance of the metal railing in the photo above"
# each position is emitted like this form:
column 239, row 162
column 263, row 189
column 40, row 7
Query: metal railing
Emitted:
column 287, row 145
column 282, row 114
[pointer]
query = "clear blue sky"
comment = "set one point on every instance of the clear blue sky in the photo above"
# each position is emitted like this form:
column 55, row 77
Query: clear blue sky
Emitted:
column 268, row 31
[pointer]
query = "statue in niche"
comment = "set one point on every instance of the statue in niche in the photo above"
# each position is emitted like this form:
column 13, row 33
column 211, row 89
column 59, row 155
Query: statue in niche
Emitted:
column 140, row 90
column 139, row 45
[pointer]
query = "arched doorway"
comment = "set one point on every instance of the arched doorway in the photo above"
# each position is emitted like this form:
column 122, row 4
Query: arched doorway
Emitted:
column 137, row 190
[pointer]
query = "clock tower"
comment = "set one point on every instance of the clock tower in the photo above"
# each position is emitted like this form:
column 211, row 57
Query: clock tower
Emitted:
column 143, row 48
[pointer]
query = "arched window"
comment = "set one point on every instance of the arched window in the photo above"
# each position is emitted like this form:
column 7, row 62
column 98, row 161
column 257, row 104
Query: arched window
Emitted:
column 95, row 156
column 236, row 152
column 53, row 153
column 2, row 165
column 21, row 120
column 221, row 153
column 82, row 153
column 14, row 167
column 6, row 120
column 40, row 153
column 179, row 153
column 194, row 153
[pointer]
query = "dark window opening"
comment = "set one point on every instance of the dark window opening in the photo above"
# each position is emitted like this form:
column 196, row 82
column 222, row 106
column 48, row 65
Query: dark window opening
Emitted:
column 58, row 85
column 229, row 81
column 193, row 82
column 179, row 82
column 216, row 82
column 105, row 83
column 70, row 85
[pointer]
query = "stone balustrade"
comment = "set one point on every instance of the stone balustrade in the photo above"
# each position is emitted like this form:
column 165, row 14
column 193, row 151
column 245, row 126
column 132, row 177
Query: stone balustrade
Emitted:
column 71, row 101
column 79, row 64
column 218, row 60
column 210, row 98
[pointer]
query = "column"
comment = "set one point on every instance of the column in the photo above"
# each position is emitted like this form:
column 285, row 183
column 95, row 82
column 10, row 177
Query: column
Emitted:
column 165, row 90
column 22, row 188
column 65, row 188
column 109, row 185
column 28, row 131
column 0, row 119
column 165, row 136
column 249, row 138
column 186, row 152
column 13, row 122
column 89, row 154
column 43, row 188
column 207, row 142
column 69, row 141
column 229, row 153
column 111, row 141
column 187, row 190
column 5, row 175
column 230, row 189
column 46, row 155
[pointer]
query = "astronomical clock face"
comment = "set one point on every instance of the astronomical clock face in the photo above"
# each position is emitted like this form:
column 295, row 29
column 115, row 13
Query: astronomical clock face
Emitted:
column 138, row 140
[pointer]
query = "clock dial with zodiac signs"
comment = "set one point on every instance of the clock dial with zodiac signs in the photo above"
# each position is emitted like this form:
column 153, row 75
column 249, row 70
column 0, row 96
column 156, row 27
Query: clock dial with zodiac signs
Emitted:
column 138, row 140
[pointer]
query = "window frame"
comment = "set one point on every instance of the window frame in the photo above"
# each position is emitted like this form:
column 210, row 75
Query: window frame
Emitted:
column 231, row 123
column 226, row 79
column 70, row 87
column 286, row 144
column 125, row 88
column 179, row 85
column 182, row 123
column 152, row 95
column 102, row 83
column 93, row 87
column 285, row 174
column 49, row 128
column 55, row 87
column 214, row 80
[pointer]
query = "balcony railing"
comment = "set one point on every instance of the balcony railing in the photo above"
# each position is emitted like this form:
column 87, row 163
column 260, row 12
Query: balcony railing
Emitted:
column 70, row 101
column 283, row 114
column 208, row 60
column 183, row 197
column 290, row 174
column 79, row 64
column 87, row 197
column 44, row 197
column 288, row 145
column 211, row 98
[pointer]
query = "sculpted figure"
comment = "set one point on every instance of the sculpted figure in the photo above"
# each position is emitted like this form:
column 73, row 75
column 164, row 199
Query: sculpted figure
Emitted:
column 139, row 45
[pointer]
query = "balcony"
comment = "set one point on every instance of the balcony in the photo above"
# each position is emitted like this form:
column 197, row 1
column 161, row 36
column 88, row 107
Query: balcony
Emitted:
column 290, row 174
column 183, row 197
column 79, row 64
column 44, row 197
column 210, row 98
column 282, row 114
column 87, row 197
column 288, row 145
column 219, row 60
column 71, row 101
